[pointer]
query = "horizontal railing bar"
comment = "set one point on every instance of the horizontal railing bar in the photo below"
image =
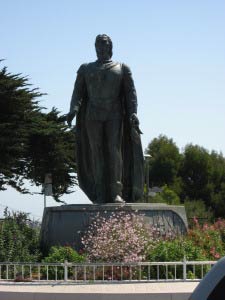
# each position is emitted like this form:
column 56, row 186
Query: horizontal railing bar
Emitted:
column 110, row 264
column 104, row 272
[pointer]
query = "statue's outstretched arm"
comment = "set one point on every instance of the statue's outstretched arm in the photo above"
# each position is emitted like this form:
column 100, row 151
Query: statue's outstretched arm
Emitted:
column 78, row 94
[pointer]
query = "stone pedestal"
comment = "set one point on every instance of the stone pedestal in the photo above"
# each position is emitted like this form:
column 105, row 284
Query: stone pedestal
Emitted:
column 64, row 225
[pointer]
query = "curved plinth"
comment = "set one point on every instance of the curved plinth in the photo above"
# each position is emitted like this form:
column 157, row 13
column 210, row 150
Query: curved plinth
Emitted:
column 64, row 225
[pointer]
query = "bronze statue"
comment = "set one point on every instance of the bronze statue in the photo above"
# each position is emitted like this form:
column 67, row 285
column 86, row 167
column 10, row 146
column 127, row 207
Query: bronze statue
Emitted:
column 108, row 146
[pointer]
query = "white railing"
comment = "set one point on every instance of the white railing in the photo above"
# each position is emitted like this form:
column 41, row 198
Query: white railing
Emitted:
column 104, row 272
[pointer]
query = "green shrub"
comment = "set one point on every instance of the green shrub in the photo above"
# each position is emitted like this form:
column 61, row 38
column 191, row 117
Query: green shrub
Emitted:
column 176, row 250
column 202, row 242
column 62, row 253
column 19, row 238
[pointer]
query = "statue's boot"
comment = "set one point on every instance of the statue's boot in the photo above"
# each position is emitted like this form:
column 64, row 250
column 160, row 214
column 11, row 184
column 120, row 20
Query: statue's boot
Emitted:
column 118, row 199
column 116, row 192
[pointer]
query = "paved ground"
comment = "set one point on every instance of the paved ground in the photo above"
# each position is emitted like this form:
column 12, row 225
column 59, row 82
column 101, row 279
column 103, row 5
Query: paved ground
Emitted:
column 123, row 288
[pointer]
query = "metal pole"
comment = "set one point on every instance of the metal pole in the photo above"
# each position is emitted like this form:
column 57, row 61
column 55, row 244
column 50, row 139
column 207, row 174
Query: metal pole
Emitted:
column 147, row 177
column 184, row 269
column 65, row 270
column 147, row 158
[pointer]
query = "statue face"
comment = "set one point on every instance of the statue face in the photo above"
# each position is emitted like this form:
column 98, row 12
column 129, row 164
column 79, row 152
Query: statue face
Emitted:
column 103, row 50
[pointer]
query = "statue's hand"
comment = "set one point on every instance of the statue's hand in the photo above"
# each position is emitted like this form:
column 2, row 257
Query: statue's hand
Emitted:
column 70, row 117
column 134, row 120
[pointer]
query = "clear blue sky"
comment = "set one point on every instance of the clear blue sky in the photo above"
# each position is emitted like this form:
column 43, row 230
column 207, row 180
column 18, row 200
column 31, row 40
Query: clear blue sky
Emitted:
column 175, row 48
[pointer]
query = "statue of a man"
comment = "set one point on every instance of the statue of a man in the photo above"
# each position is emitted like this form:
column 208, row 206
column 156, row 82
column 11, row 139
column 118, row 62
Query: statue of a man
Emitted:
column 108, row 147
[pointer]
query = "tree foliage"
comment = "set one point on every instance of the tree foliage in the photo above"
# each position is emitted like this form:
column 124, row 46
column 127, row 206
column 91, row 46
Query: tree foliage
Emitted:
column 203, row 178
column 167, row 196
column 17, row 105
column 32, row 142
column 195, row 172
column 50, row 149
column 164, row 162
column 196, row 175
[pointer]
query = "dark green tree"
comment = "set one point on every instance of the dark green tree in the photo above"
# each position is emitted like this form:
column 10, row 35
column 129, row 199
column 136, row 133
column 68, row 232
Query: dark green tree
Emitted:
column 164, row 162
column 217, row 179
column 195, row 172
column 196, row 176
column 217, row 173
column 17, row 103
column 32, row 143
column 50, row 149
column 217, row 201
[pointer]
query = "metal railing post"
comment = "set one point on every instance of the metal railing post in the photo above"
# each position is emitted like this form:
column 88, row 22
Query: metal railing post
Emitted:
column 65, row 270
column 184, row 268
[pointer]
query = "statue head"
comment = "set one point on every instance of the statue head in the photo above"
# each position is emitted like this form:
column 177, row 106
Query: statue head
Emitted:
column 103, row 46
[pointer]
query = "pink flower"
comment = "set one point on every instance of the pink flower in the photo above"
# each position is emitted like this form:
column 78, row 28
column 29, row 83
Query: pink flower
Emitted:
column 217, row 255
column 121, row 237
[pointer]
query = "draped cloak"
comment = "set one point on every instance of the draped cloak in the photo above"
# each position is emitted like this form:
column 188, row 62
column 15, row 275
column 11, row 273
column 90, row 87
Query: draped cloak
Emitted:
column 131, row 151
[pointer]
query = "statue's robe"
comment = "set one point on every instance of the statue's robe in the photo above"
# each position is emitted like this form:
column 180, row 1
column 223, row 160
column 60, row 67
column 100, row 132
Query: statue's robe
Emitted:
column 131, row 149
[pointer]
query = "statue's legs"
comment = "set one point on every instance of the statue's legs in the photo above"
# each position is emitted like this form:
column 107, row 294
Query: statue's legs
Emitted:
column 105, row 140
column 95, row 136
column 113, row 132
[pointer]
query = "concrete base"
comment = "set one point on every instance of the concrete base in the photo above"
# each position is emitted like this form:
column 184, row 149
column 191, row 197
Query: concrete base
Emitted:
column 64, row 225
column 130, row 291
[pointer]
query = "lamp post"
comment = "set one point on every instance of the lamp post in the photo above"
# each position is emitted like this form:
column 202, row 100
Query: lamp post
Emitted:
column 147, row 158
column 47, row 187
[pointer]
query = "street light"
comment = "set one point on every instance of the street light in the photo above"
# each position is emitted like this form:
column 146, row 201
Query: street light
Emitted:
column 47, row 187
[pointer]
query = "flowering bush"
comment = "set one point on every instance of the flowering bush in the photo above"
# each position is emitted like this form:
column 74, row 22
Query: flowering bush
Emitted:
column 121, row 237
column 202, row 242
column 219, row 225
column 210, row 238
